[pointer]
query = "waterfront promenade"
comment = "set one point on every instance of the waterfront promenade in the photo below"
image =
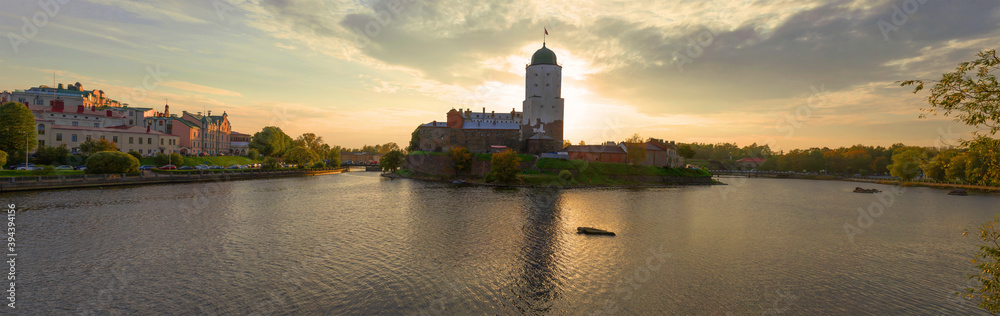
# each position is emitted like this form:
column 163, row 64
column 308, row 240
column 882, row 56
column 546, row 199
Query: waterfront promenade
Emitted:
column 28, row 183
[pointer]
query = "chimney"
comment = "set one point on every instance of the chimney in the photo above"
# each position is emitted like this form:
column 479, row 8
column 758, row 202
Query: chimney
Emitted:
column 493, row 113
column 147, row 129
column 166, row 110
column 209, row 113
column 484, row 110
column 79, row 108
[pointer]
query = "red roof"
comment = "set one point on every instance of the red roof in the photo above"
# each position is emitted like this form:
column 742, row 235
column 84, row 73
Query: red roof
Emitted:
column 753, row 160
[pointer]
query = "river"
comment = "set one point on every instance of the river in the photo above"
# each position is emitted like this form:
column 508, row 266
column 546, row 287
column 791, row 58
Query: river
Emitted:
column 357, row 243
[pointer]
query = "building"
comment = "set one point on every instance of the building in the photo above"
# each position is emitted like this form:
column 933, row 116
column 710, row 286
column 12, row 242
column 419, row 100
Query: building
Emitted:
column 188, row 133
column 57, row 125
column 750, row 163
column 213, row 137
column 239, row 143
column 537, row 129
column 72, row 96
column 597, row 153
column 662, row 154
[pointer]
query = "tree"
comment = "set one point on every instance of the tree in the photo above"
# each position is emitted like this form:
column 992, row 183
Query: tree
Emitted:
column 112, row 162
column 270, row 163
column 685, row 150
column 49, row 155
column 414, row 141
column 3, row 159
column 955, row 170
column 906, row 163
column 582, row 143
column 988, row 265
column 636, row 149
column 311, row 141
column 173, row 159
column 505, row 166
column 253, row 154
column 17, row 128
column 135, row 154
column 92, row 146
column 973, row 98
column 386, row 148
column 986, row 152
column 271, row 141
column 462, row 159
column 391, row 161
column 566, row 143
column 333, row 157
column 301, row 156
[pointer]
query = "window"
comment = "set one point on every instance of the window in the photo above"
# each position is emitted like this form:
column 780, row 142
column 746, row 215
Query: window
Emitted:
column 58, row 137
column 161, row 141
column 150, row 140
column 73, row 137
column 130, row 122
column 97, row 124
column 41, row 129
column 161, row 123
column 88, row 137
column 130, row 140
column 140, row 140
column 41, row 143
column 114, row 139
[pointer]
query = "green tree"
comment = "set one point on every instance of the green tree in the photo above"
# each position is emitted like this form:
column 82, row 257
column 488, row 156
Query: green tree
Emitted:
column 271, row 141
column 253, row 154
column 970, row 93
column 173, row 159
column 387, row 147
column 112, row 162
column 582, row 143
column 462, row 159
column 270, row 163
column 311, row 141
column 988, row 264
column 414, row 141
column 301, row 156
column 906, row 163
column 955, row 170
column 391, row 161
column 636, row 149
column 92, row 146
column 566, row 143
column 17, row 128
column 685, row 150
column 505, row 166
column 135, row 154
column 3, row 159
column 52, row 155
column 987, row 153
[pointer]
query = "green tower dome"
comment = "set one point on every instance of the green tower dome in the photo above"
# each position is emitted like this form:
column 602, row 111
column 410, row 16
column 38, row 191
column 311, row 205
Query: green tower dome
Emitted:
column 543, row 56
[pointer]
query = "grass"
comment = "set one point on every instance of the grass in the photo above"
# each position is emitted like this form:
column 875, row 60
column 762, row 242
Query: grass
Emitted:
column 24, row 173
column 224, row 161
column 598, row 173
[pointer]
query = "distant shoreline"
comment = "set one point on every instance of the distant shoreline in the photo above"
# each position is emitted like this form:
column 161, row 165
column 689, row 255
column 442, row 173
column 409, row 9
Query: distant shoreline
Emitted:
column 113, row 180
column 888, row 182
column 439, row 179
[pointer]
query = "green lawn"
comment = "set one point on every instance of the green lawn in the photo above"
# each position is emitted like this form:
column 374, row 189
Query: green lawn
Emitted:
column 224, row 161
column 23, row 173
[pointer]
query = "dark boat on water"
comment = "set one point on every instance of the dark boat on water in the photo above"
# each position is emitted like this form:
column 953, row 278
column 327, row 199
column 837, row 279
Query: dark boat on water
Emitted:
column 593, row 231
column 958, row 192
column 860, row 190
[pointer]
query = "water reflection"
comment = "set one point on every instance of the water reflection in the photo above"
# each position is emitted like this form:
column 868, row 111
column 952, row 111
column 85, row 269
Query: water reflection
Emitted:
column 536, row 286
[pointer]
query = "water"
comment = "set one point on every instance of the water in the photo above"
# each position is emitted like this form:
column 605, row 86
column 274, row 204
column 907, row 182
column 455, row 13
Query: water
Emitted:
column 359, row 244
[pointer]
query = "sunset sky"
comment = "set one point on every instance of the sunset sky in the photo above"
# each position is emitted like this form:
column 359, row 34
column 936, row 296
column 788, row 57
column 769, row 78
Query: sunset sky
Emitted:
column 793, row 74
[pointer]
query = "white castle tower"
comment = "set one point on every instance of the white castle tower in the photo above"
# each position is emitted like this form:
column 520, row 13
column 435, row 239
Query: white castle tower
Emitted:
column 542, row 119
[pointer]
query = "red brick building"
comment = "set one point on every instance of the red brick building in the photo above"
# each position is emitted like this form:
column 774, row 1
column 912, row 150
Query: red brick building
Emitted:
column 598, row 153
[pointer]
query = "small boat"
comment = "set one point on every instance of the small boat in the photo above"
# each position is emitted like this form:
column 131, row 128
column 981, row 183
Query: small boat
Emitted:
column 860, row 190
column 458, row 182
column 958, row 192
column 593, row 231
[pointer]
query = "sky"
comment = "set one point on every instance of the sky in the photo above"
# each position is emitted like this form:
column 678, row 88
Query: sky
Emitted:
column 790, row 74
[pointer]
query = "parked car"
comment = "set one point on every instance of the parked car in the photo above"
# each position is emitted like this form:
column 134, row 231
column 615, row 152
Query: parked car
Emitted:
column 235, row 167
column 80, row 167
column 168, row 167
column 215, row 167
column 147, row 167
column 201, row 167
column 186, row 168
column 64, row 167
column 23, row 166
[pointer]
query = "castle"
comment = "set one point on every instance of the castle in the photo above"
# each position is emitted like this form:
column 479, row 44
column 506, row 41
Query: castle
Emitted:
column 537, row 129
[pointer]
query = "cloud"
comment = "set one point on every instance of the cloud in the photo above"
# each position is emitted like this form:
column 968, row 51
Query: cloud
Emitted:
column 187, row 86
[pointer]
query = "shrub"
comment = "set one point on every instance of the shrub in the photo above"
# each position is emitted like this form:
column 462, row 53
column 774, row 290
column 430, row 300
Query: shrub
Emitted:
column 505, row 166
column 319, row 165
column 270, row 163
column 137, row 155
column 565, row 176
column 253, row 154
column 173, row 159
column 112, row 162
column 46, row 170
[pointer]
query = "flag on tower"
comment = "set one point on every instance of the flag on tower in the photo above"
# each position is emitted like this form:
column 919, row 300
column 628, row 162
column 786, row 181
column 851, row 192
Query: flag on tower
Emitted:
column 546, row 31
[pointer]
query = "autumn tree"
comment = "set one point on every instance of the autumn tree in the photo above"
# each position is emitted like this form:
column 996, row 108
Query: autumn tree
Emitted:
column 301, row 156
column 636, row 149
column 92, row 146
column 414, row 140
column 505, row 166
column 970, row 93
column 906, row 163
column 462, row 159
